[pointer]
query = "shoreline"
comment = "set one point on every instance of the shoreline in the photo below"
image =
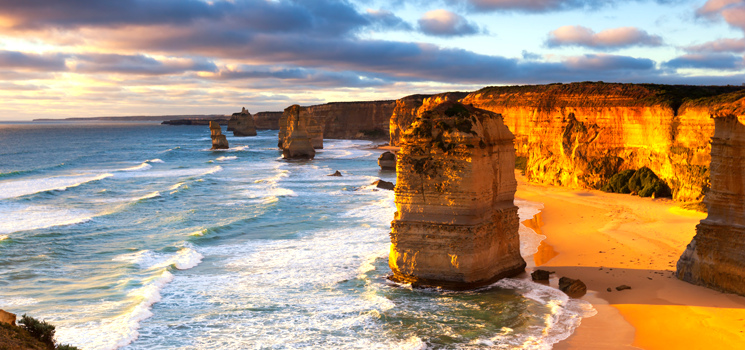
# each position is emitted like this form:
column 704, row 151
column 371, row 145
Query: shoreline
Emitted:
column 608, row 240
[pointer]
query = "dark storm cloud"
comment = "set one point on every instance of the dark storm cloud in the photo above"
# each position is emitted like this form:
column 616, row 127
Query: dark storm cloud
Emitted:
column 387, row 20
column 32, row 62
column 541, row 6
column 304, row 77
column 138, row 64
column 709, row 61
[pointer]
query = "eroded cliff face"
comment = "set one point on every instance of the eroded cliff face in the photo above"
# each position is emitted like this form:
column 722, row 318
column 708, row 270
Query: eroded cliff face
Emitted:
column 310, row 126
column 716, row 256
column 242, row 124
column 353, row 120
column 579, row 135
column 410, row 107
column 456, row 226
column 298, row 143
column 267, row 120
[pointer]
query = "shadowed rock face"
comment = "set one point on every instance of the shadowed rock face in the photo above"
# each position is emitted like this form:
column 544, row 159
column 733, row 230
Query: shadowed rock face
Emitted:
column 304, row 120
column 219, row 141
column 297, row 144
column 456, row 226
column 716, row 256
column 353, row 120
column 242, row 124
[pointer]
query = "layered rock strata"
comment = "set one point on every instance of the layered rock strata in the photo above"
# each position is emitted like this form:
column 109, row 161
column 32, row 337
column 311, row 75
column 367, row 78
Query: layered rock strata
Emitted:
column 219, row 141
column 716, row 256
column 353, row 120
column 298, row 143
column 242, row 124
column 387, row 161
column 267, row 120
column 579, row 135
column 304, row 120
column 456, row 226
column 410, row 107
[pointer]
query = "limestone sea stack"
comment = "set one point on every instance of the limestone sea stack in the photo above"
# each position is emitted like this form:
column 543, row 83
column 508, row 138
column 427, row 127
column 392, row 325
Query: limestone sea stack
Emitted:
column 297, row 144
column 716, row 256
column 310, row 125
column 242, row 124
column 387, row 161
column 219, row 141
column 456, row 226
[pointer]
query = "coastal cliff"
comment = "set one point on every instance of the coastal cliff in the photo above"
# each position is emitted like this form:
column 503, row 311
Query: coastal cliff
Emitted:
column 353, row 120
column 267, row 120
column 410, row 107
column 456, row 225
column 579, row 135
column 715, row 258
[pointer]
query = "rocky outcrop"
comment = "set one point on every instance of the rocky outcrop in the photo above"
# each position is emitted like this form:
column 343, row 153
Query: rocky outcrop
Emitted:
column 579, row 135
column 387, row 161
column 242, row 124
column 297, row 144
column 716, row 256
column 7, row 318
column 384, row 185
column 571, row 287
column 219, row 141
column 407, row 109
column 310, row 126
column 267, row 120
column 353, row 120
column 456, row 226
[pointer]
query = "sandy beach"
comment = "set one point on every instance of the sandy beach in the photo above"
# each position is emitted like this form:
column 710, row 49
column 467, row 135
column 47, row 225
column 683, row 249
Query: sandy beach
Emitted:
column 608, row 240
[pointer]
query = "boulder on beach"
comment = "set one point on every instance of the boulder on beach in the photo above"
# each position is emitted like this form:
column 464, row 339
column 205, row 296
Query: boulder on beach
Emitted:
column 219, row 141
column 540, row 275
column 384, row 185
column 573, row 288
column 387, row 161
column 622, row 287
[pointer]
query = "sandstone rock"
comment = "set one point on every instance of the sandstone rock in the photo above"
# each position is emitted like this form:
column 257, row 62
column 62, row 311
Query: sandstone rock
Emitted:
column 540, row 275
column 267, row 120
column 337, row 173
column 219, row 141
column 622, row 287
column 715, row 258
column 456, row 226
column 310, row 126
column 353, row 120
column 384, row 185
column 242, row 124
column 7, row 318
column 407, row 109
column 387, row 161
column 297, row 144
column 573, row 288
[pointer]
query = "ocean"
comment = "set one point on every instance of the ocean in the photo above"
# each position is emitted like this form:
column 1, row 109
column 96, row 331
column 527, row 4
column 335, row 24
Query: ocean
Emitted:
column 138, row 236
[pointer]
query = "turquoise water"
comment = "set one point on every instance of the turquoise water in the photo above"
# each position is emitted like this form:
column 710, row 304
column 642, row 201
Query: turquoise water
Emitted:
column 137, row 236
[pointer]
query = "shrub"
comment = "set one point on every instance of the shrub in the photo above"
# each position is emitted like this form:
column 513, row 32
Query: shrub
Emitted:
column 521, row 163
column 40, row 330
column 66, row 347
column 646, row 183
column 619, row 183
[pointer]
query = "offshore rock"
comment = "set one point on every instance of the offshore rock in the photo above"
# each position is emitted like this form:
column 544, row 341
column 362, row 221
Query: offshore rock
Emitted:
column 540, row 275
column 310, row 126
column 384, row 185
column 337, row 173
column 407, row 109
column 387, row 161
column 715, row 258
column 219, row 141
column 267, row 120
column 297, row 144
column 242, row 124
column 456, row 226
column 7, row 318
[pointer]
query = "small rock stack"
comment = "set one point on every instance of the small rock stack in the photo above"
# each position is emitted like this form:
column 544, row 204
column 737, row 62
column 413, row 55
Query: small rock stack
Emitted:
column 387, row 161
column 219, row 141
column 242, row 124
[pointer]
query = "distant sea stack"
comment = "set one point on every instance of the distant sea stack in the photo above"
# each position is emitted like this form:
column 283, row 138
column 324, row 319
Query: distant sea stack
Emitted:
column 219, row 141
column 716, row 256
column 297, row 144
column 242, row 124
column 456, row 226
column 310, row 126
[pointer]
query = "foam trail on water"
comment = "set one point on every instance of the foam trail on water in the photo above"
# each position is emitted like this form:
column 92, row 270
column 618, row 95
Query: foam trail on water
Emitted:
column 141, row 167
column 149, row 195
column 222, row 159
column 21, row 217
column 19, row 188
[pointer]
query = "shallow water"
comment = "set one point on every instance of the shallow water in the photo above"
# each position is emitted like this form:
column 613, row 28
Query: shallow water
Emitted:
column 137, row 236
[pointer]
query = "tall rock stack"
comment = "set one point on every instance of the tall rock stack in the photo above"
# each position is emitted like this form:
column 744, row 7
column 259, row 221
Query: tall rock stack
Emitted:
column 410, row 107
column 309, row 124
column 716, row 256
column 297, row 144
column 456, row 226
column 219, row 141
column 242, row 124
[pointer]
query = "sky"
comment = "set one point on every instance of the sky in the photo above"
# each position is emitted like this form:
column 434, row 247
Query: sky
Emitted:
column 87, row 58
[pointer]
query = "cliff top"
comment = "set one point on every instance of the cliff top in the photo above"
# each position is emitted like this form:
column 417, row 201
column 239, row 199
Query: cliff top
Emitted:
column 598, row 94
column 721, row 105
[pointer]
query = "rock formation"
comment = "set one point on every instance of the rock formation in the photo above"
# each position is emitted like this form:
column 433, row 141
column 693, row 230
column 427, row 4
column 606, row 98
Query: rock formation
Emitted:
column 297, row 144
column 219, row 141
column 456, row 226
column 387, row 161
column 353, row 120
column 410, row 107
column 7, row 318
column 242, row 124
column 267, row 120
column 573, row 288
column 716, row 256
column 310, row 126
column 384, row 185
column 579, row 135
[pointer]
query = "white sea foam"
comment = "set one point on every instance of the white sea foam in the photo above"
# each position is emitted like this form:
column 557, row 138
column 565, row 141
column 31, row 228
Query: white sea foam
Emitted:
column 16, row 302
column 172, row 173
column 529, row 239
column 184, row 259
column 22, row 217
column 18, row 188
column 141, row 167
column 155, row 161
column 3, row 237
column 232, row 149
column 223, row 159
column 149, row 195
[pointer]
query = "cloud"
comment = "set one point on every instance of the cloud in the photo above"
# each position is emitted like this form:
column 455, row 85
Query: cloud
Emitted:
column 32, row 62
column 706, row 61
column 614, row 38
column 446, row 23
column 302, row 77
column 138, row 64
column 541, row 6
column 720, row 45
column 530, row 55
column 386, row 20
column 732, row 11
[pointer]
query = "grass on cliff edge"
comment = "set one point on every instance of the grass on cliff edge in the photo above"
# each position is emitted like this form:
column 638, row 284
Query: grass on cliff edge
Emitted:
column 30, row 334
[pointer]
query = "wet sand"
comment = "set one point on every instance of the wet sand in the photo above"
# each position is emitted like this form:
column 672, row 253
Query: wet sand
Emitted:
column 608, row 240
